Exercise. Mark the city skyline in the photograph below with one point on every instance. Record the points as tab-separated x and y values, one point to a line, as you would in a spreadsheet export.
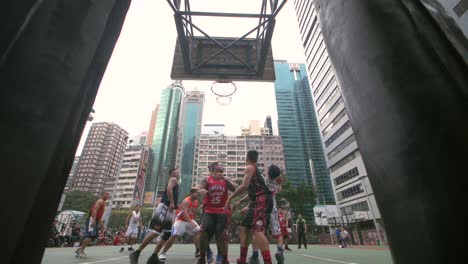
141	63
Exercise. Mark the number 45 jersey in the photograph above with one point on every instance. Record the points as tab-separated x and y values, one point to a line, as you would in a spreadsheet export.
217	195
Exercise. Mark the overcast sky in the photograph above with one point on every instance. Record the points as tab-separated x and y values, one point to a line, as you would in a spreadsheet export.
141	64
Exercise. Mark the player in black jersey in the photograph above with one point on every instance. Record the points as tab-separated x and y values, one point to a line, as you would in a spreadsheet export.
161	223
260	206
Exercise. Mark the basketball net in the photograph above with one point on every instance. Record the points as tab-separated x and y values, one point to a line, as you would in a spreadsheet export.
223	90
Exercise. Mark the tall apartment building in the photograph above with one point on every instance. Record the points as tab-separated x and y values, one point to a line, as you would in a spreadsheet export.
139	139
129	187
165	139
152	126
255	129
303	151
71	175
270	150
268	124
189	131
100	159
352	189
232	150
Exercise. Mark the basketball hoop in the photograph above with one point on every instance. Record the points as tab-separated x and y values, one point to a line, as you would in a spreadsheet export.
223	90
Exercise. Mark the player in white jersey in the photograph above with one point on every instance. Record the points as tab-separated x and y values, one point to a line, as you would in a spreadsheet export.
132	224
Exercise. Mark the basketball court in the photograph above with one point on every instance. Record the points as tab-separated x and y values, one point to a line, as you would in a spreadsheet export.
184	254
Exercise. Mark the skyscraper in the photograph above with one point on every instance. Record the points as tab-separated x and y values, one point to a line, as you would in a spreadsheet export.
190	129
268	124
303	152
131	180
152	126
71	175
164	141
254	129
100	159
352	189
232	150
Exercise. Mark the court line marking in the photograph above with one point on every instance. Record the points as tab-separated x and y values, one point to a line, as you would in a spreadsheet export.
104	260
332	260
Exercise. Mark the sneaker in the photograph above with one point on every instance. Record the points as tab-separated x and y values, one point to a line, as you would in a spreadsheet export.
279	258
288	249
209	256
130	249
219	259
122	249
253	261
162	257
201	261
81	254
197	254
134	257
153	259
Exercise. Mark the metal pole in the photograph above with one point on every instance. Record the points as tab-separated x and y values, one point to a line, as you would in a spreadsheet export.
371	208
329	227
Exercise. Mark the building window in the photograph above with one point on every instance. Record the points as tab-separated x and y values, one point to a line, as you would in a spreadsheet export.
341	146
347	176
362	206
461	8
356	189
338	133
334	122
345	161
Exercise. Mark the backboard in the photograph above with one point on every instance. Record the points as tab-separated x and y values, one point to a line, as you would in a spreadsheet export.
238	63
199	56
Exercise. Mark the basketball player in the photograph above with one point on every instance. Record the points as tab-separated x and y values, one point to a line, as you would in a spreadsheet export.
133	222
185	222
161	222
260	207
214	188
93	224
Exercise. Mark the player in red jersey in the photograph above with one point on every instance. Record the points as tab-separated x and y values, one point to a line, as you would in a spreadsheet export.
283	220
214	188
260	207
184	222
93	223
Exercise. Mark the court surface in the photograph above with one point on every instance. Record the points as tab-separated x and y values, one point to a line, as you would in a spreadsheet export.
184	254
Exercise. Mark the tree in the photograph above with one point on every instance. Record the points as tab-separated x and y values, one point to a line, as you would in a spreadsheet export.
298	197
79	201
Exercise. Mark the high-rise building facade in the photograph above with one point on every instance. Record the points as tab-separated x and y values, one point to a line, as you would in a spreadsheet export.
190	125
268	124
232	150
164	141
303	151
139	139
71	175
129	188
255	129
100	159
348	174
152	126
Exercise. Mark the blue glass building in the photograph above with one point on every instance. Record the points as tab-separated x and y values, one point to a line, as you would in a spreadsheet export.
298	128
190	127
164	141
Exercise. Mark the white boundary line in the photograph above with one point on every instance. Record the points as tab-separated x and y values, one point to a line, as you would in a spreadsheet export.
104	260
333	260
